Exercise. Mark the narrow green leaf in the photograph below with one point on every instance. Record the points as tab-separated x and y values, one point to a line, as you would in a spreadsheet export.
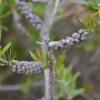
10	54
96	13
90	24
76	76
84	22
60	60
33	56
1	64
76	92
46	60
5	49
4	56
11	60
5	15
39	55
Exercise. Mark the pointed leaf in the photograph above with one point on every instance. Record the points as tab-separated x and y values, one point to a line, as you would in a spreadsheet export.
39	55
5	49
60	60
33	56
5	15
90	15
1	64
46	60
83	22
11	60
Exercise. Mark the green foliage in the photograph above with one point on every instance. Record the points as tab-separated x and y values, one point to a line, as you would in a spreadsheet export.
39	55
91	21
3	15
33	56
90	45
60	60
1	64
69	91
93	4
40	58
2	52
39	9
46	60
10	58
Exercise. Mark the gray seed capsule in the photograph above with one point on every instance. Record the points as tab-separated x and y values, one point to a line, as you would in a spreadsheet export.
83	38
81	31
74	35
84	34
77	41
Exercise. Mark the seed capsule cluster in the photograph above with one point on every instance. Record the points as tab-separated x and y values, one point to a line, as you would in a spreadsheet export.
76	38
27	12
26	67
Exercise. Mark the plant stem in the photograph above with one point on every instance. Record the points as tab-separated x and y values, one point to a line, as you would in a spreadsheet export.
51	72
45	35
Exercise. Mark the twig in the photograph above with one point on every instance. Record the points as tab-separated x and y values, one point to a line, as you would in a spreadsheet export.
3	61
17	86
62	2
76	38
36	1
57	2
51	68
26	67
45	35
18	24
27	12
63	82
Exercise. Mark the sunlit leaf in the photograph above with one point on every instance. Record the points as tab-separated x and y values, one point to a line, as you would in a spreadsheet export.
83	22
92	5
33	56
46	60
5	15
1	64
39	55
5	49
60	60
11	60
